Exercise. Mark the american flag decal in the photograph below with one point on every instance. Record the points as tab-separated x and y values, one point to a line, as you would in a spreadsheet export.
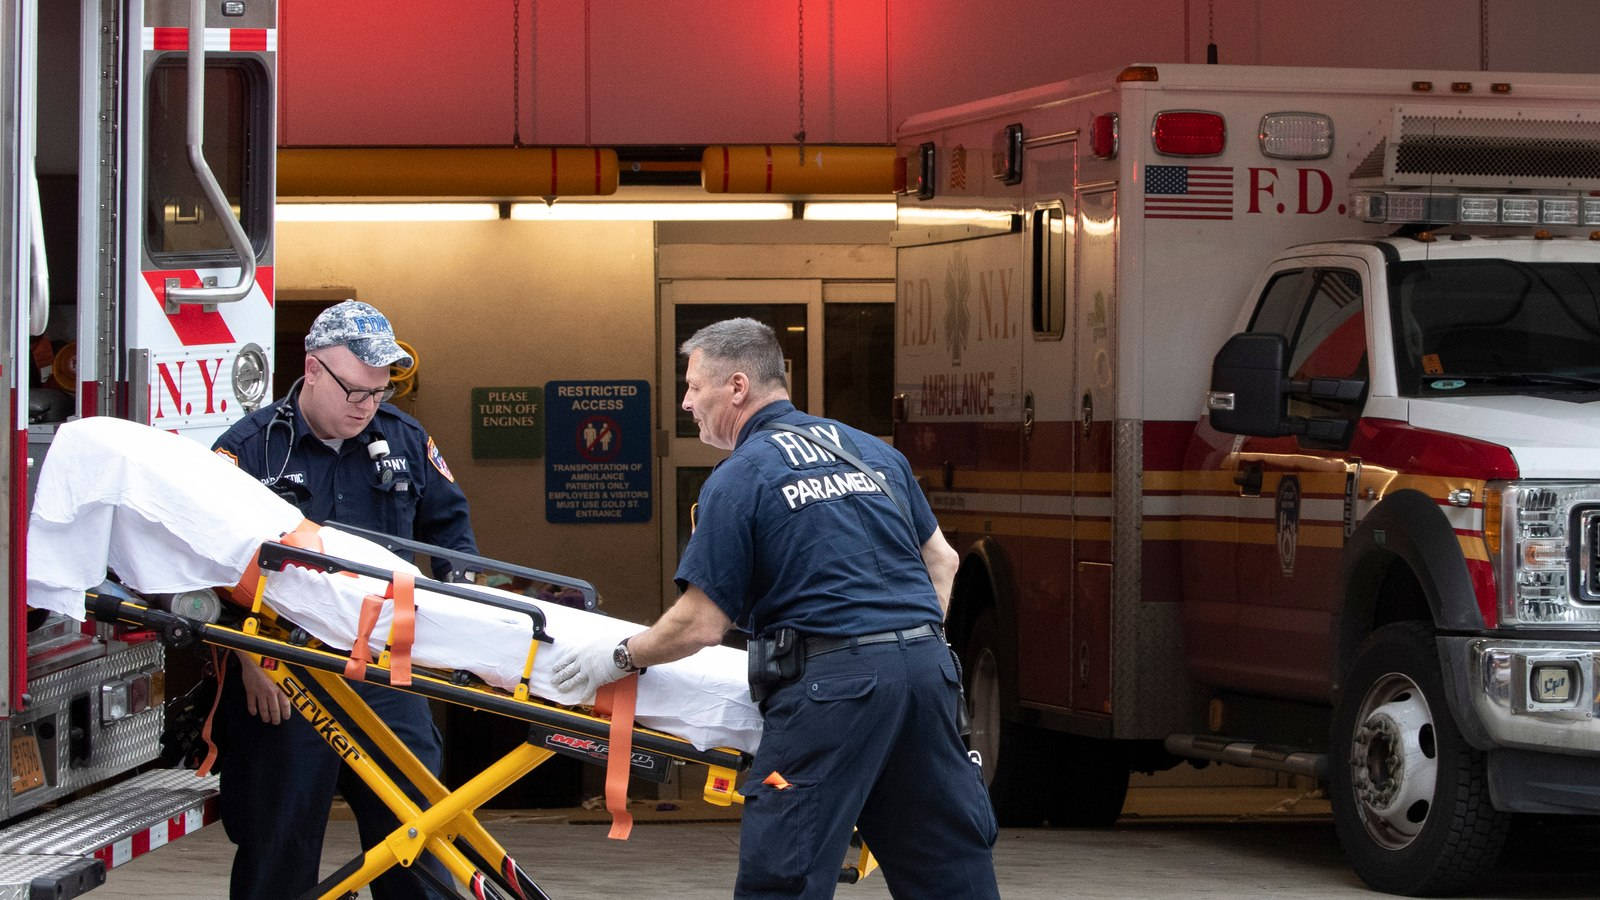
1188	192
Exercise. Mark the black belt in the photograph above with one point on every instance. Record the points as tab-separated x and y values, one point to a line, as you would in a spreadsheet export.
816	646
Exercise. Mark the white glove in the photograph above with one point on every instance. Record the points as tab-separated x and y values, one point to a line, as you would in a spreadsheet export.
585	668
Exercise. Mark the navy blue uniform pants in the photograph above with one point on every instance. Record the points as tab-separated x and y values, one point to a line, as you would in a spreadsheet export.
867	737
277	788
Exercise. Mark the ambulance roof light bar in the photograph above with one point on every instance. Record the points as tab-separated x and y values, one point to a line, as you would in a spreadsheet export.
1452	208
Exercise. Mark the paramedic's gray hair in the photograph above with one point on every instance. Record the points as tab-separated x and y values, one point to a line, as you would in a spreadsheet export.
739	345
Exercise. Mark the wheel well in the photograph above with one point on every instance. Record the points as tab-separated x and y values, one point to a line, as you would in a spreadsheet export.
1390	592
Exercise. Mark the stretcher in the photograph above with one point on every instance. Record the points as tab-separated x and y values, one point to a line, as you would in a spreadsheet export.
448	827
82	521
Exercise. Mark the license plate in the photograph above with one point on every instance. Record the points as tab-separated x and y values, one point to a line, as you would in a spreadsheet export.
27	770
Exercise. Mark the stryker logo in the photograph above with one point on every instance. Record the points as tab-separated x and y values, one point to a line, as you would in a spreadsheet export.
322	721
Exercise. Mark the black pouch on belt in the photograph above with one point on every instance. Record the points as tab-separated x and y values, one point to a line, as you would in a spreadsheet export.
963	714
775	660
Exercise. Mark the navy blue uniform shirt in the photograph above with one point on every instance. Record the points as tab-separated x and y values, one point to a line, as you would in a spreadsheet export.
410	493
788	535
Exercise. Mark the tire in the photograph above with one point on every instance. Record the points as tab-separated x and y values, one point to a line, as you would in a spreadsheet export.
1034	775
1012	753
1410	796
1091	779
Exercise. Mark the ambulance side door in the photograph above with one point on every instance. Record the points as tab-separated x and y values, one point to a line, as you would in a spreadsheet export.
1292	491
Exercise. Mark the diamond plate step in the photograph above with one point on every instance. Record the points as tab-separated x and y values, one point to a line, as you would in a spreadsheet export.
64	852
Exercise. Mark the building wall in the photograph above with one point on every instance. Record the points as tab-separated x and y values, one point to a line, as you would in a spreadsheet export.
664	72
507	303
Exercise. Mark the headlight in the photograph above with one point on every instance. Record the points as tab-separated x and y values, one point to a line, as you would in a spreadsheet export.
1548	560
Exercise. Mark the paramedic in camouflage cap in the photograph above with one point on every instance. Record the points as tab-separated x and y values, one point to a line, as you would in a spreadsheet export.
340	453
360	327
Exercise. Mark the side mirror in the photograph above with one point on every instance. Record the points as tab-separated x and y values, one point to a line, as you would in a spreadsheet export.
1248	386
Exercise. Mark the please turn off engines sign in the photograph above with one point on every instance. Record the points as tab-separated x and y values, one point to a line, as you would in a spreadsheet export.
597	466
507	422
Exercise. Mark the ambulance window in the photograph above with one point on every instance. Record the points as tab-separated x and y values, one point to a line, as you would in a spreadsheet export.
1281	303
1051	271
180	224
1332	341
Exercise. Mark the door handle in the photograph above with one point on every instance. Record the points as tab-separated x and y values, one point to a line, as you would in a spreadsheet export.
1248	478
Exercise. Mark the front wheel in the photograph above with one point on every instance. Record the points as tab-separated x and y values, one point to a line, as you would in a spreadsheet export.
1410	797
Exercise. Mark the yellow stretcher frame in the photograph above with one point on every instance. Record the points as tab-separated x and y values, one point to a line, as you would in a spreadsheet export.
448	828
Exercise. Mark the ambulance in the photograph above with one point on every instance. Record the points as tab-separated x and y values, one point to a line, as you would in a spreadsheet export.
1263	406
135	281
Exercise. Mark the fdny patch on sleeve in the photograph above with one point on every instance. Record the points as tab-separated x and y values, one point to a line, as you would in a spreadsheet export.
437	458
228	456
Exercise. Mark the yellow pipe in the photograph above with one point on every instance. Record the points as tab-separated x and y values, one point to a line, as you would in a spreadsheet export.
446	171
797	169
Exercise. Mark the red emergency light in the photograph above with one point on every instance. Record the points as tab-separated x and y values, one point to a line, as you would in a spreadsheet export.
1189	133
1103	136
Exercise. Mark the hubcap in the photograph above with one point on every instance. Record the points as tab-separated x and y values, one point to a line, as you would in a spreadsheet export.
985	700
1394	761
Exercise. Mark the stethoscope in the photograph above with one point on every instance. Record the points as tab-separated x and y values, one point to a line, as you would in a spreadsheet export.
283	414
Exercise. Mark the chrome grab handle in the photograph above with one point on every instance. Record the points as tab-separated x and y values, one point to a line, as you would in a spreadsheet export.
208	182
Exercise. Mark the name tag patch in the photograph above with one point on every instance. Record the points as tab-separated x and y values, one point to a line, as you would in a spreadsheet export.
801	491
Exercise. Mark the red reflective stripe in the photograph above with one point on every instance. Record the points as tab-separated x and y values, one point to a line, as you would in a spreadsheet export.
725	168
264	281
19	558
769	168
247	39
193	325
554	155
172	39
597	170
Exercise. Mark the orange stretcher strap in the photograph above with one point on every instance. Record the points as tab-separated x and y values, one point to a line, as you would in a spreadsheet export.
303	535
355	668
619	699
404	627
402	631
220	668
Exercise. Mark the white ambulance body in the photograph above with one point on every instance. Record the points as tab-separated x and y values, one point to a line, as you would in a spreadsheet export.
1375	515
136	283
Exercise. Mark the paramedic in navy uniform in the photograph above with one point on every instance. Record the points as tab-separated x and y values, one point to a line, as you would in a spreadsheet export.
335	450
788	536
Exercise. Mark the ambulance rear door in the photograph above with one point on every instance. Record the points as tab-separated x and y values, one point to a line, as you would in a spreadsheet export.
197	323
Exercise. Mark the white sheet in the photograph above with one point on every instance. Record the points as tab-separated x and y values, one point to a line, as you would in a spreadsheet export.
167	515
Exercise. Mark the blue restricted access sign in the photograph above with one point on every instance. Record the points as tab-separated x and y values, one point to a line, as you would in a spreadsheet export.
597	451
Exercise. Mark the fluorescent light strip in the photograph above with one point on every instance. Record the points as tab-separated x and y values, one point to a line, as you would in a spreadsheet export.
563	211
387	212
648	212
850	212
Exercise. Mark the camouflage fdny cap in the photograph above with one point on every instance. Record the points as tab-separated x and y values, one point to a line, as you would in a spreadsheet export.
360	327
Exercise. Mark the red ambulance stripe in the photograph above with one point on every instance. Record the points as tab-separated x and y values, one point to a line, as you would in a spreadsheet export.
193	325
172	38
264	281
247	39
725	168
769	168
19	559
89	398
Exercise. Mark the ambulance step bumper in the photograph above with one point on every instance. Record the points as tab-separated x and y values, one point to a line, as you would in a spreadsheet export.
66	851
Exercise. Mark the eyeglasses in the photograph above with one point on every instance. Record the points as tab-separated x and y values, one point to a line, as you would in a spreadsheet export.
358	397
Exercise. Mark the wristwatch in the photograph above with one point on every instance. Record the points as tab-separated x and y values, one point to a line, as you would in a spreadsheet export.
623	658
